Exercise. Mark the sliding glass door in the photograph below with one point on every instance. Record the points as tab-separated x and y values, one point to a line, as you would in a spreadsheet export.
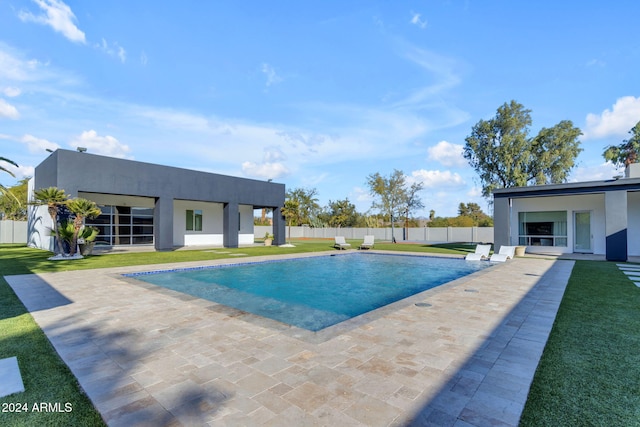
582	237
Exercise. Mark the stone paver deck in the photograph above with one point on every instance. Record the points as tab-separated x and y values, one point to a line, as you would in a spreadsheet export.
146	355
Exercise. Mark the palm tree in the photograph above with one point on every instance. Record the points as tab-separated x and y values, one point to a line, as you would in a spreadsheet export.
52	197
3	189
291	211
11	162
81	208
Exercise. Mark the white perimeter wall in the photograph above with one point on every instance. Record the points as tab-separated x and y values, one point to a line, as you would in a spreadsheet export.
588	202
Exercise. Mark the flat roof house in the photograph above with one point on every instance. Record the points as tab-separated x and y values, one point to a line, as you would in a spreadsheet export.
598	217
149	204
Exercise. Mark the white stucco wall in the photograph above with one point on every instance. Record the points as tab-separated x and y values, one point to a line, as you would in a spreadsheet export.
587	202
212	224
245	235
633	223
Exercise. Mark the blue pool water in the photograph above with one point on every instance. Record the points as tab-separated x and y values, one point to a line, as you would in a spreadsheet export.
317	292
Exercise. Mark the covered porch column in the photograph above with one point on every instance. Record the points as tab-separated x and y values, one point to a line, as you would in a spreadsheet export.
230	225
501	222
163	223
279	233
615	212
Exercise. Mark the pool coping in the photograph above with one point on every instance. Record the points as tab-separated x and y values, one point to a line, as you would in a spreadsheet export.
144	357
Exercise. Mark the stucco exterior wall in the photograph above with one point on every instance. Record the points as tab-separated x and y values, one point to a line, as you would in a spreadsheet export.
212	226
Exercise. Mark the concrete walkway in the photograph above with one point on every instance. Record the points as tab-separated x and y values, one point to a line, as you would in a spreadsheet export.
150	356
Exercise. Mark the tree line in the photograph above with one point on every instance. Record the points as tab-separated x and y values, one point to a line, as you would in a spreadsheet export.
395	202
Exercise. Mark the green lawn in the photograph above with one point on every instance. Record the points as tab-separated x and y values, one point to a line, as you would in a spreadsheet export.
588	373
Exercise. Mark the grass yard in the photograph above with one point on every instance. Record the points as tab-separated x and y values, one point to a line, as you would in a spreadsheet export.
590	370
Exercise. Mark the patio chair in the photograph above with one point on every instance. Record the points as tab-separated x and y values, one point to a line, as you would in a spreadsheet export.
368	242
482	251
341	243
505	253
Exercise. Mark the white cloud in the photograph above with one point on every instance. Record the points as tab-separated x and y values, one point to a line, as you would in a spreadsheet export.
599	172
442	69
38	145
15	68
615	122
19	172
417	20
58	16
270	72
436	179
105	145
475	192
596	63
447	153
272	166
113	50
265	170
11	92
8	111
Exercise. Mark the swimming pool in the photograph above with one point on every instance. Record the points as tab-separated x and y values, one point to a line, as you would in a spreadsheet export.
315	292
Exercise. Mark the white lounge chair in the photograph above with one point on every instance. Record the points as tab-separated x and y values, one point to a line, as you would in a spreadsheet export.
368	242
505	253
341	243
482	251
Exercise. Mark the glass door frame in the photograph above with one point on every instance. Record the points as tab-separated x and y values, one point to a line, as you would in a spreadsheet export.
575	232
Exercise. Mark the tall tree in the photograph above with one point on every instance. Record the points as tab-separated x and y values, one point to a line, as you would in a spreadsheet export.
392	197
627	152
52	197
291	212
342	213
504	155
474	211
412	202
307	204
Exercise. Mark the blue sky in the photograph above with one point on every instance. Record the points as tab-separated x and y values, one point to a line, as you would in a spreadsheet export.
312	94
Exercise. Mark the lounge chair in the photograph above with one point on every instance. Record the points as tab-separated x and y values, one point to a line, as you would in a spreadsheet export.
341	243
505	253
368	242
482	251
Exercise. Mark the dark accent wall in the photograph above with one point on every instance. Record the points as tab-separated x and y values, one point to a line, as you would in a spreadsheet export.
76	172
617	246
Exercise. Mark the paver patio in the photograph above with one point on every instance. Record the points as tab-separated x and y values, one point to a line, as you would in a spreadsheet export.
147	355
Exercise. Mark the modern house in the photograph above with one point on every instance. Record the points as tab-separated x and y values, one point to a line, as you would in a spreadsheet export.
149	204
598	217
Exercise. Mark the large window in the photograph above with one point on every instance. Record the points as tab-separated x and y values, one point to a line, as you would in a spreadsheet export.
542	228
194	220
124	225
